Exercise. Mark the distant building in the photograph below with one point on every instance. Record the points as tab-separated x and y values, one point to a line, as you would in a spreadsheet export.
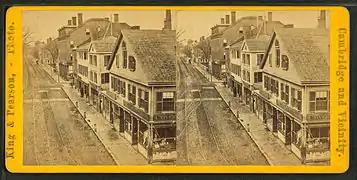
294	100
74	34
228	33
246	57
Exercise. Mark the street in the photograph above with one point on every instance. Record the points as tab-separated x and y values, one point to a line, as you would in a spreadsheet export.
208	132
53	130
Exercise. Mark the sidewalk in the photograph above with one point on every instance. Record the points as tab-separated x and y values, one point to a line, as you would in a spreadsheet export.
202	70
119	148
273	149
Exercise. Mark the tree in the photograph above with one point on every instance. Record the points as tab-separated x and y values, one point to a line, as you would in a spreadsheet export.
27	37
188	51
52	49
205	47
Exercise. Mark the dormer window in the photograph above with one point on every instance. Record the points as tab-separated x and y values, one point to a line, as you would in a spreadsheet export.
285	62
71	44
87	32
125	55
277	53
132	63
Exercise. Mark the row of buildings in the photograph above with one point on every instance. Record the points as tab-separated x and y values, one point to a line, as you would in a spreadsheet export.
128	74
282	74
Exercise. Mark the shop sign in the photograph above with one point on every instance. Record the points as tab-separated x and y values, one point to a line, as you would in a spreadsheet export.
165	117
136	110
290	110
318	116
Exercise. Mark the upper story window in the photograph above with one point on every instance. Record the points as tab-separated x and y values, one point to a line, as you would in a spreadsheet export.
143	99
132	63
125	55
296	98
238	54
132	93
285	62
105	78
259	59
106	60
240	30
85	54
117	64
234	55
270	60
247	60
284	92
90	59
94	61
87	32
258	77
277	53
319	101
165	101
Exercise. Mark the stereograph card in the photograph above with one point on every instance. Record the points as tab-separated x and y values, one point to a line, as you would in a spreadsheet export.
171	89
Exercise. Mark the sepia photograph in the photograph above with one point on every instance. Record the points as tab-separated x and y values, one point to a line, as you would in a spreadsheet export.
254	88
99	88
176	87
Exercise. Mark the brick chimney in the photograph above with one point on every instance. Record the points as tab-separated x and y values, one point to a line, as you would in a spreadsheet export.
227	19
80	19
74	21
270	16
116	18
167	22
69	22
321	21
222	20
233	17
94	34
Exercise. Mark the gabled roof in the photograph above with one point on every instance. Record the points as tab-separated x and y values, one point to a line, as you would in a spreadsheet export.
259	44
308	51
104	45
155	52
83	46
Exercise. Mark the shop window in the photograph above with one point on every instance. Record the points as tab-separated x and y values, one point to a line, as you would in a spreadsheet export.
132	93
277	53
105	78
165	101
296	134
132	63
281	123
143	134
143	99
127	123
319	101
106	60
318	138
285	62
164	138
125	55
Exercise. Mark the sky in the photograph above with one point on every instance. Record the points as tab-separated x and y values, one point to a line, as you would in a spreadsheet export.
195	24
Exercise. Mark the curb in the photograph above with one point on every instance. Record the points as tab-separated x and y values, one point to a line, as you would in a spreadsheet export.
81	113
244	126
